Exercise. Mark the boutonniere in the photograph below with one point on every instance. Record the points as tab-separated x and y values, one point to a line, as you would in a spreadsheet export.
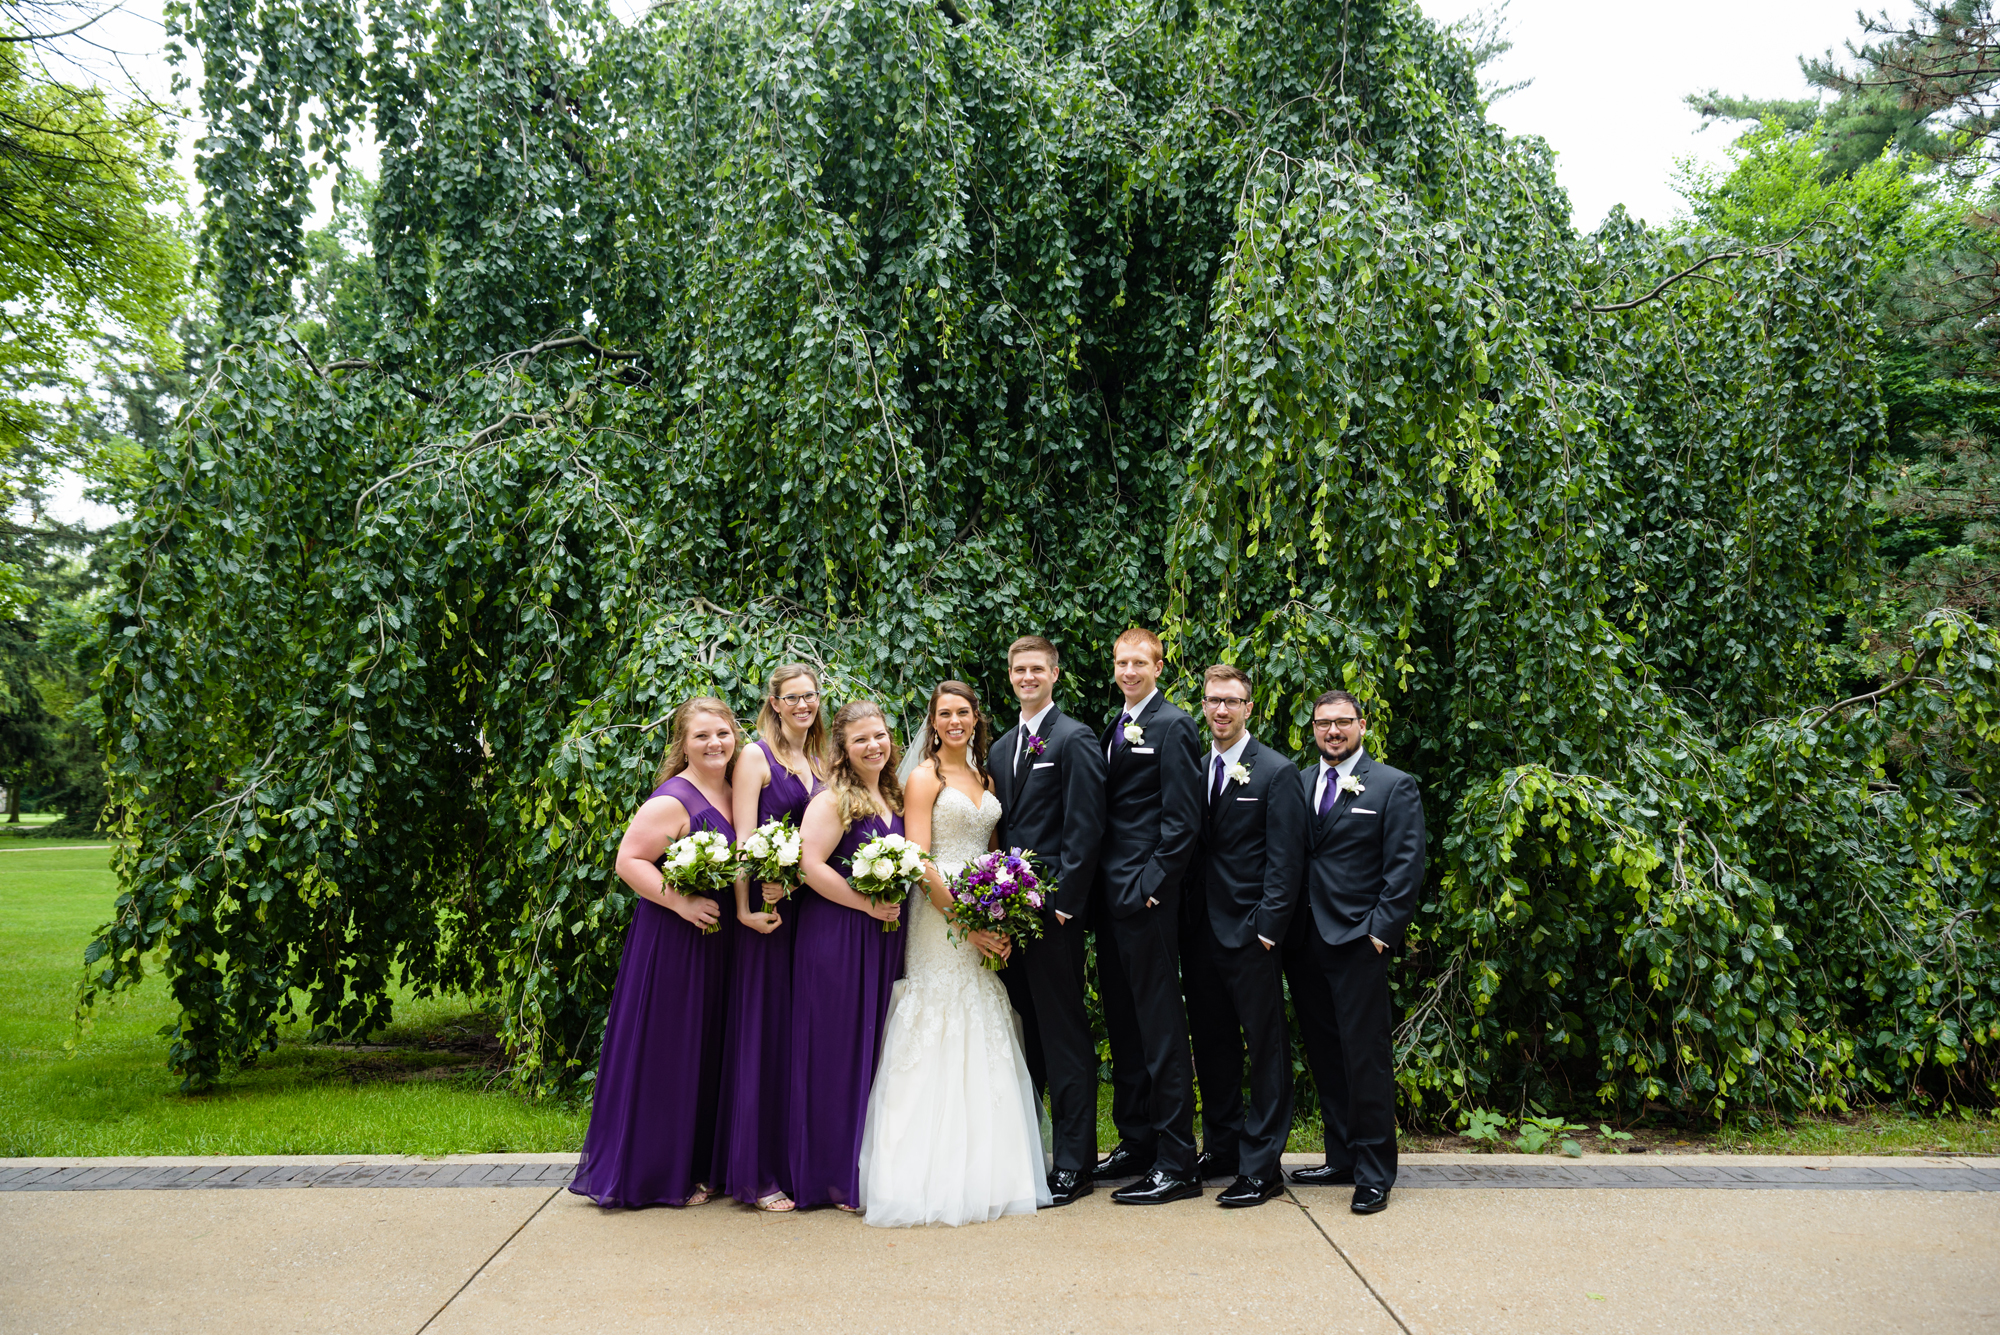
1350	784
1035	744
1239	773
1134	734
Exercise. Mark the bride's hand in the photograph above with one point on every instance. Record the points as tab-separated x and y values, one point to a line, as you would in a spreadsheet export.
763	923
992	944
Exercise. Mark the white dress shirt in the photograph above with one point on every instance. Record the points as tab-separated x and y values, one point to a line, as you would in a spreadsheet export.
1029	725
1338	772
1131	715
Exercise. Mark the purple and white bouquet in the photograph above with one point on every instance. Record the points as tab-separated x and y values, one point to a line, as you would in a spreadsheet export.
998	892
701	863
772	854
885	870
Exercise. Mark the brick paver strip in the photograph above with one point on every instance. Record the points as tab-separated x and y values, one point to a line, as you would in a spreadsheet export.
1415	1173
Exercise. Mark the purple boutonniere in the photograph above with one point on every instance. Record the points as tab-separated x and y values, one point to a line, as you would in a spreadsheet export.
1035	744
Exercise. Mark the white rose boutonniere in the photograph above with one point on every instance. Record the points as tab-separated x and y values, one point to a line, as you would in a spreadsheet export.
1350	784
1134	735
1239	773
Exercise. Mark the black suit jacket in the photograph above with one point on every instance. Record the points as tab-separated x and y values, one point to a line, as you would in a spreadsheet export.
1055	807
1152	807
1253	851
1365	858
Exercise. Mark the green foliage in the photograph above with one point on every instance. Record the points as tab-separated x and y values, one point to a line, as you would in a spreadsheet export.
876	333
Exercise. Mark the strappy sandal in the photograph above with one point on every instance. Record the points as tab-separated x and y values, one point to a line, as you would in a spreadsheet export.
702	1195
848	1209
777	1203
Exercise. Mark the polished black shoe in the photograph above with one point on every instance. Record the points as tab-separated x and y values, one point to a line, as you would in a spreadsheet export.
1123	1162
1325	1175
1246	1191
1157	1188
1370	1200
1208	1167
1066	1185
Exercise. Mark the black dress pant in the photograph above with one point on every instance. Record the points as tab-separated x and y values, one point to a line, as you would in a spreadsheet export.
1217	1036
1257	996
1148	951
1312	1003
1131	1087
1049	975
1346	994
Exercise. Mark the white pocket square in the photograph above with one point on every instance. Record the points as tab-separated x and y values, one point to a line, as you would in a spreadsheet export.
1246	799
1142	750
1043	764
1365	811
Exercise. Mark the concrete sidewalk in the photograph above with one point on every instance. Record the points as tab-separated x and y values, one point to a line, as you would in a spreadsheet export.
1473	1258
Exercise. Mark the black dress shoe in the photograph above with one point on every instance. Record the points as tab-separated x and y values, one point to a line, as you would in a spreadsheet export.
1157	1188
1370	1200
1326	1175
1123	1162
1209	1166
1246	1191
1066	1185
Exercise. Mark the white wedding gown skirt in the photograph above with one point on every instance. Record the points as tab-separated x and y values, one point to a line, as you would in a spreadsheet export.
952	1134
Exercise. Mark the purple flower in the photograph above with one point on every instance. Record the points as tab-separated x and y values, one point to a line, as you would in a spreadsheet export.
1035	744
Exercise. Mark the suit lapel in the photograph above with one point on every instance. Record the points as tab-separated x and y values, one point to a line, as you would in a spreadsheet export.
1345	801
1119	756
1028	762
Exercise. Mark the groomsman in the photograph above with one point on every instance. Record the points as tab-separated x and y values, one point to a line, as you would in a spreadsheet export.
1152	805
1364	868
1250	866
1049	776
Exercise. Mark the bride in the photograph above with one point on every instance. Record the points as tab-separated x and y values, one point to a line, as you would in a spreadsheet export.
952	1134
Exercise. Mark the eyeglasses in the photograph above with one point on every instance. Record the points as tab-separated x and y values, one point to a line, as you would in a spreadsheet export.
1224	701
812	698
1322	724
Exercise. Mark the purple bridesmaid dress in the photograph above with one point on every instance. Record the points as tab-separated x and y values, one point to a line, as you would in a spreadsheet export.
843	967
757	1066
653	1112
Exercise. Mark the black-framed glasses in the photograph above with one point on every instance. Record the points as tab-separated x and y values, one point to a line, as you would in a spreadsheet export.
1322	724
1224	701
811	698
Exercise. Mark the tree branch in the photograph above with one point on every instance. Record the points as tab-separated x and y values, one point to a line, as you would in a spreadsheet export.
1757	252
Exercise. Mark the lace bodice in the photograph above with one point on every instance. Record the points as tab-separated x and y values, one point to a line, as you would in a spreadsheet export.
961	831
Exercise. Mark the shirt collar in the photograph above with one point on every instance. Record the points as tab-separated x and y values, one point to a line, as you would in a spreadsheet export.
1345	767
1233	754
1030	726
1140	708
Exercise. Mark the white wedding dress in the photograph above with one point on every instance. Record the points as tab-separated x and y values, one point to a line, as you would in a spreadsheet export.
952	1134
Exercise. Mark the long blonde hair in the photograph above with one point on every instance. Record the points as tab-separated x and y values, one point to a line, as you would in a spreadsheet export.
677	749
845	781
772	728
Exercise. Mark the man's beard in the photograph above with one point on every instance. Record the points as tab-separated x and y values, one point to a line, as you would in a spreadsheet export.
1333	759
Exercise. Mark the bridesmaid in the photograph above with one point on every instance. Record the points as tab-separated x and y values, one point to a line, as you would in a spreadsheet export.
774	778
652	1118
844	964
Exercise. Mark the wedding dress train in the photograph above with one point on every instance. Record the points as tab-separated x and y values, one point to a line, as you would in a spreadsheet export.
952	1134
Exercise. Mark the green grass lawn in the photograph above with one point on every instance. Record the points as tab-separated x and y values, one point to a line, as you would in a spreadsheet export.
418	1089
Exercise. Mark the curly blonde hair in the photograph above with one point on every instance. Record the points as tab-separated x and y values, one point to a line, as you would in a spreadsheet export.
845	782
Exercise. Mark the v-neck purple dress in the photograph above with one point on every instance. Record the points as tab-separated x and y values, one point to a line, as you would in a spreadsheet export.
757	1065
843	967
653	1110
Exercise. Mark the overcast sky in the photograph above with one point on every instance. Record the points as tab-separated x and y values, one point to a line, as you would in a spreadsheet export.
1609	79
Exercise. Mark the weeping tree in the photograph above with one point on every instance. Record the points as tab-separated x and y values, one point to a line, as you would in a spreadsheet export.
876	332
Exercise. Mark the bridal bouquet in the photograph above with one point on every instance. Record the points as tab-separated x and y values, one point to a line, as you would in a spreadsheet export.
771	854
886	868
998	892
701	863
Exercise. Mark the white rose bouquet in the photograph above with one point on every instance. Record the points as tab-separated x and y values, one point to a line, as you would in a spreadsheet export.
886	869
701	863
772	854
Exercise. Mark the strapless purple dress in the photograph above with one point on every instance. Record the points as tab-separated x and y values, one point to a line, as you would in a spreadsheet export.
756	1066
653	1109
843	967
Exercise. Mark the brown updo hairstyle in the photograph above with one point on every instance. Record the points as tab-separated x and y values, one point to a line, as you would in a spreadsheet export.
849	791
977	745
677	751
772	728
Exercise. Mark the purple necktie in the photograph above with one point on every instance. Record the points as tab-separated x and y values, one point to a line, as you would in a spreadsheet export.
1327	798
1118	734
1216	791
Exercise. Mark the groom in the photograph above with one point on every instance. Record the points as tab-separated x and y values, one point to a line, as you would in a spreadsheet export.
1049	776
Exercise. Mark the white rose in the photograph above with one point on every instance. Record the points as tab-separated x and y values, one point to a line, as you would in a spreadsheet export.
1134	734
882	869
